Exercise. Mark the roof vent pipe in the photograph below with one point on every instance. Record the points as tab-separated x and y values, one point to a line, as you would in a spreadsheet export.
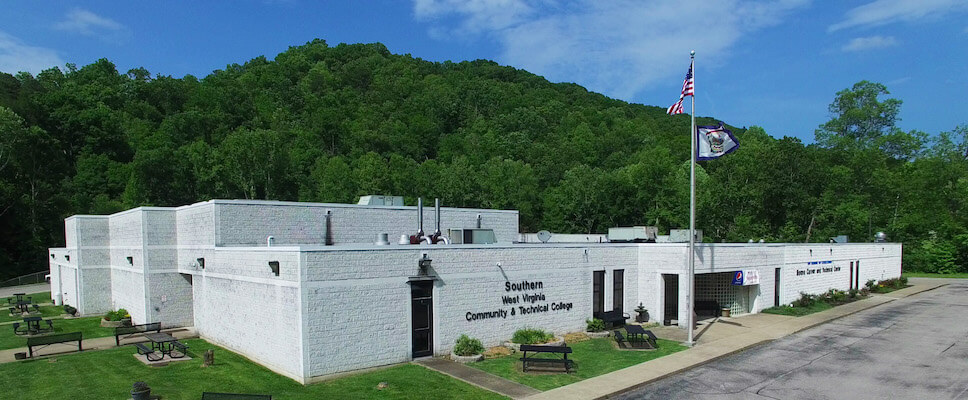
382	239
478	221
437	217
420	231
269	240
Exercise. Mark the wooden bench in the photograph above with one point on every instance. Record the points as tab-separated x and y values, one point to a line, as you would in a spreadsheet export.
134	330
612	318
562	350
150	354
54	339
234	396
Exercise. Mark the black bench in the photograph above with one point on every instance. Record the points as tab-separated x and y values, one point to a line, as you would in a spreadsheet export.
150	354
707	308
619	338
134	330
18	331
563	350
178	349
612	318
234	396
53	339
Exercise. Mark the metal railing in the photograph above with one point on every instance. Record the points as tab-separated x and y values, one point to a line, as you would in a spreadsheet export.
36	277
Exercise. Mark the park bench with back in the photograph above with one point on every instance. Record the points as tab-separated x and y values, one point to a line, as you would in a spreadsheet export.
134	330
54	339
563	351
612	318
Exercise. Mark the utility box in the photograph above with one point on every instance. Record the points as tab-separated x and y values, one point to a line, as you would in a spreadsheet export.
633	234
471	236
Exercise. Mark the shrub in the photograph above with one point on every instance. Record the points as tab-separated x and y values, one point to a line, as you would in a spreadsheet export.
116	315
805	300
531	336
468	346
903	281
837	296
122	313
870	284
852	293
595	325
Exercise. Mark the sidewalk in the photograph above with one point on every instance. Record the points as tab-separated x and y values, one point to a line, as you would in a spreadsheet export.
479	378
722	338
100	343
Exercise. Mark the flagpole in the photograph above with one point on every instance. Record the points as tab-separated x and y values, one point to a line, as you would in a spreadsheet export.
692	209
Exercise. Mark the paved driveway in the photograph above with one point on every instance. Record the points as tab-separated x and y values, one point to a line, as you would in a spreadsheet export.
913	348
39	287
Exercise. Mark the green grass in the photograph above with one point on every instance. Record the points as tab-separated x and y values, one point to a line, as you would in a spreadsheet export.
108	374
592	358
931	275
799	311
90	328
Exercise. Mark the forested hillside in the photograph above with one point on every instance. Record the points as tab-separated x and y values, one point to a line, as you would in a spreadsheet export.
328	124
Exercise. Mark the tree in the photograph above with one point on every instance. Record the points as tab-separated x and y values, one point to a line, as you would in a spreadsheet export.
858	117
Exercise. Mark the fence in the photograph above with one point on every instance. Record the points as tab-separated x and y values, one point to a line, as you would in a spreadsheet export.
36	277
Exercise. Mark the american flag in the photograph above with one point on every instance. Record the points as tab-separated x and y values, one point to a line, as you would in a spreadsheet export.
688	89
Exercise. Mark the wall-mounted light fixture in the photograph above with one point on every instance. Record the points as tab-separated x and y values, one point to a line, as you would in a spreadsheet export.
424	264
274	266
52	256
67	257
130	260
201	262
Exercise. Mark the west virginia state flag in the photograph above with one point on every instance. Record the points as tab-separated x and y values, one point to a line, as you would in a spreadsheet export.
714	142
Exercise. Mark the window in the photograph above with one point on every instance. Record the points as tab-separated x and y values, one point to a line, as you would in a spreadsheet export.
618	290
598	292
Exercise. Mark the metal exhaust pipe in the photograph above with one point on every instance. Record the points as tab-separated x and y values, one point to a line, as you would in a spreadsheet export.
437	217
420	231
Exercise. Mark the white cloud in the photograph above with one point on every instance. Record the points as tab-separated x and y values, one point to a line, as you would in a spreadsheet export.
869	43
882	12
617	47
87	23
15	56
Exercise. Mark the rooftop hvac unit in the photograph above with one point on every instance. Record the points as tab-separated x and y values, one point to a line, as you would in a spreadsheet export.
471	236
682	235
637	234
377	200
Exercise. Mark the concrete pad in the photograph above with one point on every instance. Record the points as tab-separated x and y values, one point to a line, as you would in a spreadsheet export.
478	378
160	363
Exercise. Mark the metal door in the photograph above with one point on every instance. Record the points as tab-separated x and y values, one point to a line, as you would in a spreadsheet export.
422	317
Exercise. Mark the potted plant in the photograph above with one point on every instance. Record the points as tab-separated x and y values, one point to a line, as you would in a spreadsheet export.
140	391
467	350
595	328
643	314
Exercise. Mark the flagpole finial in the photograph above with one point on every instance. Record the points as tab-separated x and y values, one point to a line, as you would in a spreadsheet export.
692	53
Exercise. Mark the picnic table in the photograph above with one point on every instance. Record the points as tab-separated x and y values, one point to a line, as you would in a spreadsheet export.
20	296
22	306
165	344
638	334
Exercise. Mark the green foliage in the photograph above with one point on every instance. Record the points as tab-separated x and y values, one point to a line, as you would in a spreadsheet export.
595	325
116	315
467	346
321	123
531	336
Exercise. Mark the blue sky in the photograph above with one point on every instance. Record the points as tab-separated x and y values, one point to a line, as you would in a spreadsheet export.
776	64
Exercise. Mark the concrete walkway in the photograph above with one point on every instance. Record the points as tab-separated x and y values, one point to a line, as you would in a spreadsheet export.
29	289
100	343
479	378
720	339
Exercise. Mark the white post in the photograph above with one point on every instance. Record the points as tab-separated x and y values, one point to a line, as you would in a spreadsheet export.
692	208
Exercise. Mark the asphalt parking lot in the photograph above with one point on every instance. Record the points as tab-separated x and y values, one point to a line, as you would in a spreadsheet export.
912	348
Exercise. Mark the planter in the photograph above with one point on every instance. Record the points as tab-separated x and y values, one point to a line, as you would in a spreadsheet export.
19	356
143	395
642	317
109	324
517	347
726	312
466	359
126	321
599	335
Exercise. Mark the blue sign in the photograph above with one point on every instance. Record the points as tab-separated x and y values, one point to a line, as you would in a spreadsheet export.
738	278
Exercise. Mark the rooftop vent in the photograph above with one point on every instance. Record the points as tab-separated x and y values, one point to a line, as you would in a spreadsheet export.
636	234
380	200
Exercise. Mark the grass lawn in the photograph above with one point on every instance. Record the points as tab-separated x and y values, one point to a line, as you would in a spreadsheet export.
592	358
90	328
108	374
930	275
799	311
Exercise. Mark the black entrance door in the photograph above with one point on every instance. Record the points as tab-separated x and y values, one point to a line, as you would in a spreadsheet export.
776	287
422	312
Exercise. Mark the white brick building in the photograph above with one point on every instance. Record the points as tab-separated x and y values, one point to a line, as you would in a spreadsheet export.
323	299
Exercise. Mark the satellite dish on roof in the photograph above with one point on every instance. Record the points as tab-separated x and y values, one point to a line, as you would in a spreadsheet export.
544	236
